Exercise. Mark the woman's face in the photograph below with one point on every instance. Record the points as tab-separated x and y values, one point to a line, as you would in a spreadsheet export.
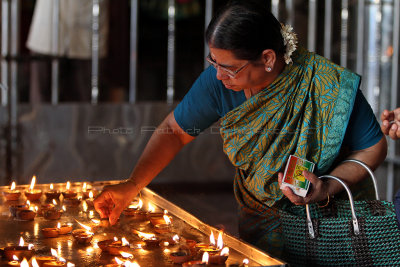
250	75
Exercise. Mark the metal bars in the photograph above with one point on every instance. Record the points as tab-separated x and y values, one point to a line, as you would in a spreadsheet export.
133	51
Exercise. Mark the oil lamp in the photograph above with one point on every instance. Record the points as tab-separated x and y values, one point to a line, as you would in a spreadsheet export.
198	263
69	193
14	208
117	246
53	214
14	262
52	194
150	239
64	229
42	259
58	262
45	207
165	227
21	251
50	232
83	236
26	214
89	200
12	194
33	194
134	210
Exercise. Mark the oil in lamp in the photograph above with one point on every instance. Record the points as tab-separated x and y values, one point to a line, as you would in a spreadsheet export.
69	193
21	251
165	227
12	194
33	194
52	194
134	210
198	263
83	236
14	262
150	239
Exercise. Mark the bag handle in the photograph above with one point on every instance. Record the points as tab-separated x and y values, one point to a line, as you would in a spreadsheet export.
371	174
353	212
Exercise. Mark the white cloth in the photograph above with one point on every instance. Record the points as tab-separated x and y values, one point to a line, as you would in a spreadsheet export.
75	28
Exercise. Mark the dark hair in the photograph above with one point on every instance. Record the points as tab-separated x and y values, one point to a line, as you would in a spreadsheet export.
246	28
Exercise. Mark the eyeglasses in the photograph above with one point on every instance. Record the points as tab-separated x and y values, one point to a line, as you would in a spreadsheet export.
230	73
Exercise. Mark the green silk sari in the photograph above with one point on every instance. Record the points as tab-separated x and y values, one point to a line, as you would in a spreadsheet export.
305	113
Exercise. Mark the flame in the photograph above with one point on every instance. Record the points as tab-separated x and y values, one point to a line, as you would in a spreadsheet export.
167	219
54	202
144	235
28	203
32	183
118	261
61	259
15	258
51	186
13	186
58	225
126	255
30	246
63	208
205	257
124	241
91	194
166	244
224	251
54	252
24	263
175	238
212	239
21	242
220	242
137	205
36	209
151	208
84	206
115	239
70	264
34	262
68	185
135	264
88	228
84	187
96	221
165	212
246	261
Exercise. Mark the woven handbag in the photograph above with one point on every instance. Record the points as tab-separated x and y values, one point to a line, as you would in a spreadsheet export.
345	233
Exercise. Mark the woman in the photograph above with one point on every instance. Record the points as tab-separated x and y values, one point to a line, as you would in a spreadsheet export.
272	102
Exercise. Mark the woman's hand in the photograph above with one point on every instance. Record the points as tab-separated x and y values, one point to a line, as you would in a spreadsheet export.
113	200
391	123
317	192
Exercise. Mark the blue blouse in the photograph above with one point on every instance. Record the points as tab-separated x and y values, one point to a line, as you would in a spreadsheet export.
208	100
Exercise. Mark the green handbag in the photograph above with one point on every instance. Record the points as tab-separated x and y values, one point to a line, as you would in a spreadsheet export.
345	233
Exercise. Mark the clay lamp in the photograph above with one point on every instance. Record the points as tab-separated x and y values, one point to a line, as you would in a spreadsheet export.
21	251
50	232
57	262
42	259
14	262
14	208
26	214
121	263
83	236
53	214
220	258
165	227
64	229
117	246
134	210
12	194
86	191
150	240
33	194
198	263
45	207
72	201
90	199
180	256
52	194
69	193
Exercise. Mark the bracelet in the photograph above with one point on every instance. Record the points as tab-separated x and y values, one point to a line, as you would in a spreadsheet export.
327	202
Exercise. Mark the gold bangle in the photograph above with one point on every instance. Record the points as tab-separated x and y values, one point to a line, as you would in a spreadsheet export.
326	204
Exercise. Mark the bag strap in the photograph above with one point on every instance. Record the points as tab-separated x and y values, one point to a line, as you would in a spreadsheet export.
371	174
353	212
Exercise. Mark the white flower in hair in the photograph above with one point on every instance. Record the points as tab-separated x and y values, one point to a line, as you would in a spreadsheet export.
290	41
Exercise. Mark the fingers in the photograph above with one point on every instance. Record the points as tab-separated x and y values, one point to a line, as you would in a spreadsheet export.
115	213
287	191
104	204
394	131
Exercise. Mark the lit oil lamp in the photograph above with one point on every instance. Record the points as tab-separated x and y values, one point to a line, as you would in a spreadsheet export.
33	194
28	214
85	236
134	210
14	262
59	262
157	217
53	214
165	227
122	263
52	194
117	246
42	259
21	251
69	193
89	200
86	190
50	232
150	239
12	194
64	229
44	207
198	263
